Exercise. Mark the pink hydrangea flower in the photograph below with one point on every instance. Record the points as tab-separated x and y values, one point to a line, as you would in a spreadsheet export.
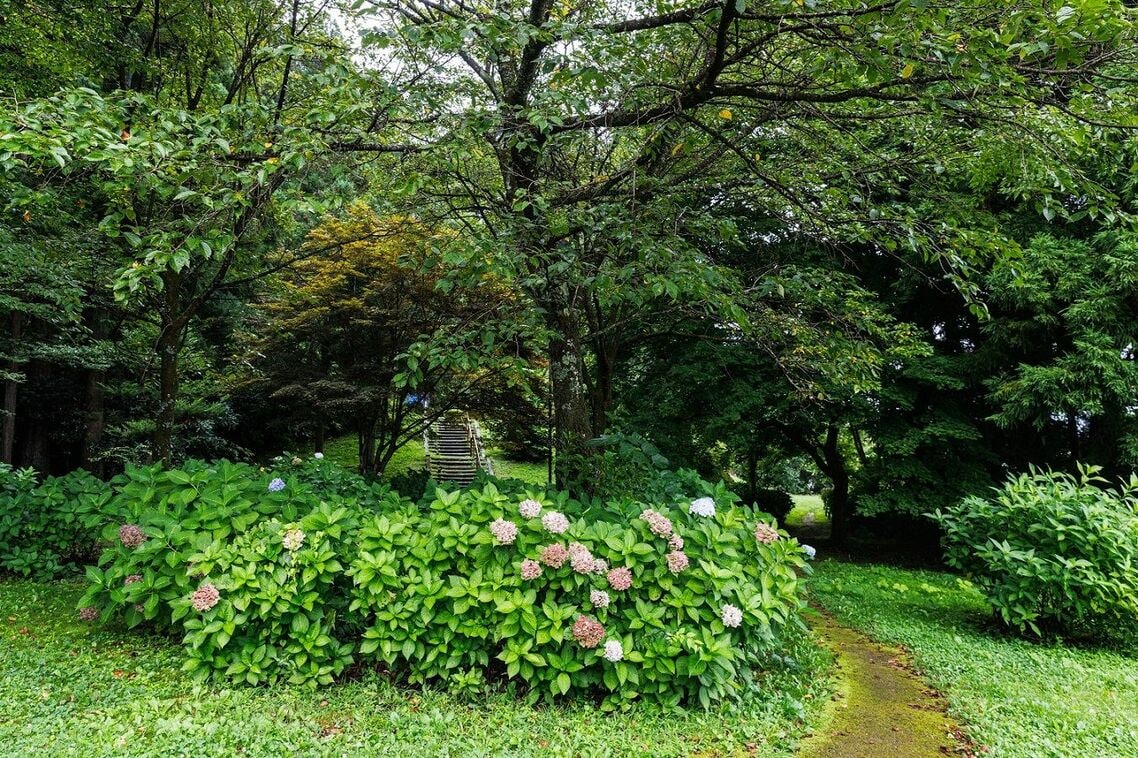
588	632
599	599
554	555
765	534
132	579
658	523
131	535
530	569
731	615
581	559
600	565
555	522
620	579
676	542
205	597
529	508
505	532
90	613
677	561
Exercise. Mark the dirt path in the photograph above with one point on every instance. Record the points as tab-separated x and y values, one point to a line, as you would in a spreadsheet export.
882	708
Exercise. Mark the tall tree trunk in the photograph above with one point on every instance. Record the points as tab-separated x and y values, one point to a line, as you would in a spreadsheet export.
365	438
572	413
840	481
172	325
752	474
35	443
602	396
95	421
168	349
8	436
318	443
94	412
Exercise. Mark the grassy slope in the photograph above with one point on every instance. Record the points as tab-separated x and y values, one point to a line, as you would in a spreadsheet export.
1019	698
70	689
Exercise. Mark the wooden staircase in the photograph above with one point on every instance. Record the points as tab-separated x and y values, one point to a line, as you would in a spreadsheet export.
455	452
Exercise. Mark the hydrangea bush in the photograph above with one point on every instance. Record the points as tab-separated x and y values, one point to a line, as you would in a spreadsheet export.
268	578
46	528
590	600
1052	552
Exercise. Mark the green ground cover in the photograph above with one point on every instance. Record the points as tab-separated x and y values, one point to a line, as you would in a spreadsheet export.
1019	698
68	688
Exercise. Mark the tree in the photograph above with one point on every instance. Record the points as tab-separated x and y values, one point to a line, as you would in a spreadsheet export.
334	337
196	159
551	131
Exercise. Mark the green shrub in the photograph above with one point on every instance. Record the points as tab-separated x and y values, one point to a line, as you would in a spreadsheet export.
775	502
201	551
45	528
158	519
411	483
1051	551
271	581
284	589
445	597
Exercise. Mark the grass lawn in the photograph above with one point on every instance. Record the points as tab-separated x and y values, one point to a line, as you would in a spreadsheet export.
1018	698
804	505
504	468
68	688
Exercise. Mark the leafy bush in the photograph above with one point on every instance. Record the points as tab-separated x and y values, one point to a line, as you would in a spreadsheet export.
269	580
775	502
45	528
411	483
474	586
1050	550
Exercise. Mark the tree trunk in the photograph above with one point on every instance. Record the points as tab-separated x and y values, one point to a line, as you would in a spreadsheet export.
168	349
602	395
365	437
752	475
8	437
840	481
94	414
95	422
318	443
572	414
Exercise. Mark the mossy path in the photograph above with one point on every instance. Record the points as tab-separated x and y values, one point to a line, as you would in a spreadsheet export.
881	708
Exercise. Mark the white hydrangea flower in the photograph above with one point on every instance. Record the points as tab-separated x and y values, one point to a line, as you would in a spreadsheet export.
731	615
614	651
555	522
703	506
292	540
529	508
318	456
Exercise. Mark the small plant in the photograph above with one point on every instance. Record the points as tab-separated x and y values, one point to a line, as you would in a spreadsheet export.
1051	551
